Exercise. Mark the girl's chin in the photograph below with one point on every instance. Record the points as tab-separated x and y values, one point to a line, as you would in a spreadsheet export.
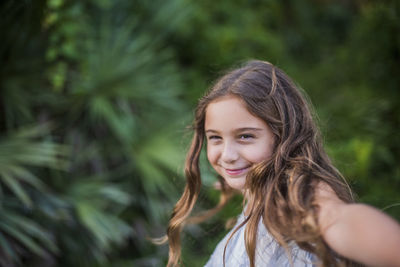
236	183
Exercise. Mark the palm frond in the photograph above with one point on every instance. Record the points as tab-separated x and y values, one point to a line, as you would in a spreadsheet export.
23	149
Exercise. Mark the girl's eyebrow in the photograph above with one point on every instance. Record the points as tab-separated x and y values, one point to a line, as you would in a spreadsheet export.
244	129
248	129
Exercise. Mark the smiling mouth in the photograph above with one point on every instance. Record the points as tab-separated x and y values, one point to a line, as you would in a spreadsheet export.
236	172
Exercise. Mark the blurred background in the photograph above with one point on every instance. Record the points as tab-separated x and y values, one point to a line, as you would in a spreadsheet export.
96	97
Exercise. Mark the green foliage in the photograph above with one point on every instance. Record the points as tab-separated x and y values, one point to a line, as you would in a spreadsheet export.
19	151
75	192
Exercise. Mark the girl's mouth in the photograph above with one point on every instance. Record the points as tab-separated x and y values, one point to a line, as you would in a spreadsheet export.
236	172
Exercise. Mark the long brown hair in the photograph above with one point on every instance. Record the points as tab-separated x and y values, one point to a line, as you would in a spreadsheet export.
281	190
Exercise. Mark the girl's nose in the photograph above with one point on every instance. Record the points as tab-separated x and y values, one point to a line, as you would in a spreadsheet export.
229	153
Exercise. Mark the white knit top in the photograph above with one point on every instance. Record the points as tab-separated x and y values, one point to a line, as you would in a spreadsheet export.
268	252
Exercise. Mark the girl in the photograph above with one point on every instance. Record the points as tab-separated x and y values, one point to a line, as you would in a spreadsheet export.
261	139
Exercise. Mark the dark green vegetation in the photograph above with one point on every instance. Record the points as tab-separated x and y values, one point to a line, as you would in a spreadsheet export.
96	95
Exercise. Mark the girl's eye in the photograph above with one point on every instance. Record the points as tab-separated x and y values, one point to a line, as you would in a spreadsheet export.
245	136
214	137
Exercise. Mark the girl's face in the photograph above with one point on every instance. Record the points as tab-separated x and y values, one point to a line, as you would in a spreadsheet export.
236	139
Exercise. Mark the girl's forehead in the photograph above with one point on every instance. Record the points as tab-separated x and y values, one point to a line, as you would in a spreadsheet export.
232	99
230	112
225	104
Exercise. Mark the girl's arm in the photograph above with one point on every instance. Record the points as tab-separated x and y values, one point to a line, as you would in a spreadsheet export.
357	231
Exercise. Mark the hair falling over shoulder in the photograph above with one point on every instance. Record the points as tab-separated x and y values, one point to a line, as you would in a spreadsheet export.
281	190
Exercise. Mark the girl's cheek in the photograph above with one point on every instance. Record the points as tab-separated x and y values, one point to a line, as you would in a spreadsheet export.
211	154
257	155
